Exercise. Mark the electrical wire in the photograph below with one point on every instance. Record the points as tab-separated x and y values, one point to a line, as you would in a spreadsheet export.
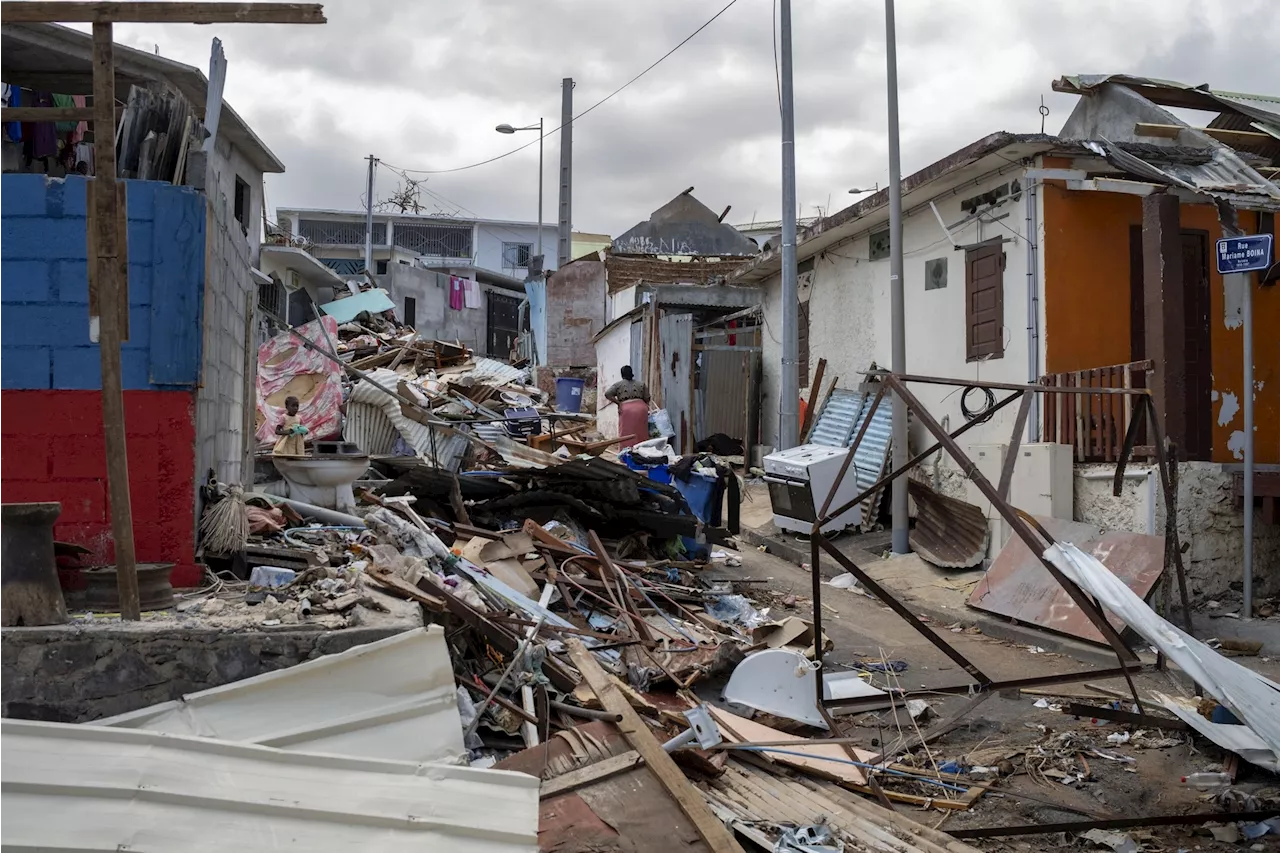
598	103
980	415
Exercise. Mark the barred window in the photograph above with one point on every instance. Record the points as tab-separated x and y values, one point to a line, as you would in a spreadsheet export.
326	232
515	256
446	241
344	266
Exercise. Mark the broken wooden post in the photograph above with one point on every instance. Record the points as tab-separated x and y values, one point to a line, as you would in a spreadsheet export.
31	592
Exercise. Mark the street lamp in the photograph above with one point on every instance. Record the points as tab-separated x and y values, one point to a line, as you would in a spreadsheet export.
506	128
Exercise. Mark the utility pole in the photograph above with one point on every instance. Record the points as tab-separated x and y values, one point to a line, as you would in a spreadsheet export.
368	218
566	173
789	397
897	299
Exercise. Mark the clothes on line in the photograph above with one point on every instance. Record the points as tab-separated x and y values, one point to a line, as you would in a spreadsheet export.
464	293
472	293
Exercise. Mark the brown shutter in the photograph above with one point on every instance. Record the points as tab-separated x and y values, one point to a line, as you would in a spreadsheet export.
802	344
984	301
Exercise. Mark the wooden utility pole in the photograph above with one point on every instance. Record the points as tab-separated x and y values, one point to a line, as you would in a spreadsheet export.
108	257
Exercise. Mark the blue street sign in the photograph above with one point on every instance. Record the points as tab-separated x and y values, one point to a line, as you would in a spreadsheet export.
1244	254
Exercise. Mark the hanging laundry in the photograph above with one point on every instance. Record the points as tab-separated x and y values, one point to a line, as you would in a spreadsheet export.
13	98
40	138
64	127
83	127
457	294
472	293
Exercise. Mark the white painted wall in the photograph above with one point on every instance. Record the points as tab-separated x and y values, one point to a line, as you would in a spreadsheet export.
613	351
490	236
620	303
850	313
226	164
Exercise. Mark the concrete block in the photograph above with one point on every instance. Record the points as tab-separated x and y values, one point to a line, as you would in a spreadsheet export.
25	281
68	196
71	282
42	325
25	367
26	457
141	235
139	284
42	238
80	368
141	199
23	195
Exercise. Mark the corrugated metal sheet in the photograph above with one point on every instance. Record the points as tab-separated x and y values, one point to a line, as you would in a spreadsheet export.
724	392
443	448
675	332
949	533
837	425
393	699
492	372
760	805
369	428
1019	586
78	787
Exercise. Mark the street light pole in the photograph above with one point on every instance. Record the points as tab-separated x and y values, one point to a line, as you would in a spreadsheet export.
506	128
897	296
789	397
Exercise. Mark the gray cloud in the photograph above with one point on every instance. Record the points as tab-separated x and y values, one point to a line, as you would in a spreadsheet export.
422	84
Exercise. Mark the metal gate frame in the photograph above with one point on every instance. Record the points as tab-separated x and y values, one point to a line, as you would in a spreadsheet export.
1022	524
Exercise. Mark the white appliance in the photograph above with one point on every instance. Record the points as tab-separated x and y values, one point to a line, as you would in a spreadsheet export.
799	480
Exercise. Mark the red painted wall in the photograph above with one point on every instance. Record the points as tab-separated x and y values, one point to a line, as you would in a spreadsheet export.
52	446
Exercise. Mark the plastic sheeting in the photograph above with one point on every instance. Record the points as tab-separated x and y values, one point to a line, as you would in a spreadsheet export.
288	368
81	787
393	698
1250	696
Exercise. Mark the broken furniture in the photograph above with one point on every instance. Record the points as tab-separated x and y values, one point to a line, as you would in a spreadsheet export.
32	595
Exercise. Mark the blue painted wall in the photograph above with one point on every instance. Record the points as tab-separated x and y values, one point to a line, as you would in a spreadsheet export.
44	285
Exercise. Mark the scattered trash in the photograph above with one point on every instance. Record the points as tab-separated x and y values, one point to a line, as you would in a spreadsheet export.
843	581
1118	841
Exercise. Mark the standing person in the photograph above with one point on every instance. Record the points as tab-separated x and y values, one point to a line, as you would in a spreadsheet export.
632	399
292	432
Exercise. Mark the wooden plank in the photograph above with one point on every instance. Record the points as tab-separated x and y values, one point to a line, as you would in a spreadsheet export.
637	733
45	12
815	758
105	201
400	587
811	407
590	774
8	114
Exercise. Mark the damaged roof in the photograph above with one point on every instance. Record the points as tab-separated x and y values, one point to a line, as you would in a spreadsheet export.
1264	109
684	226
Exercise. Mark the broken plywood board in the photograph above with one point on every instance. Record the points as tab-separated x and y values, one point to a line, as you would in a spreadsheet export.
1019	586
501	561
821	759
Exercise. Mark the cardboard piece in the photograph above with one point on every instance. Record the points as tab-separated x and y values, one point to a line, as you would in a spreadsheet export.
499	560
792	631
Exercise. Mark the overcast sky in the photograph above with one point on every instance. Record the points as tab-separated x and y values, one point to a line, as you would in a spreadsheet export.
422	84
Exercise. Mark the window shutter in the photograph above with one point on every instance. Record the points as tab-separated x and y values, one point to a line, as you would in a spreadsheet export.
984	301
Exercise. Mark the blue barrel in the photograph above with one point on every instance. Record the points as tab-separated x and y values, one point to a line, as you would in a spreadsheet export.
569	394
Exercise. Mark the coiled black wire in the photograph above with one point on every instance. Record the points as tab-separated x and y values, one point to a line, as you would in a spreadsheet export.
981	414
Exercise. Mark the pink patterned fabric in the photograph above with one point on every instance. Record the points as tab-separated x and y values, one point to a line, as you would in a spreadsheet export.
288	368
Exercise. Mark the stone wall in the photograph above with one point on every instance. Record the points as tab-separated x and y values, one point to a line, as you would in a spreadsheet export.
73	674
1209	523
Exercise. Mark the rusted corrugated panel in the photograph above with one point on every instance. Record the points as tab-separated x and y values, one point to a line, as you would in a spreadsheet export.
949	533
723	393
1019	586
675	333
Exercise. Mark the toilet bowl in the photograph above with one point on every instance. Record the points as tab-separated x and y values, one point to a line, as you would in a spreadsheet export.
323	481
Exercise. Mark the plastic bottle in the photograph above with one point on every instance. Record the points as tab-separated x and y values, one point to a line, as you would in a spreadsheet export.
1207	781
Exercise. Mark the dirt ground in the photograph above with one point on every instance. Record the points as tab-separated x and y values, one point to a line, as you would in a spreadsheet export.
1057	777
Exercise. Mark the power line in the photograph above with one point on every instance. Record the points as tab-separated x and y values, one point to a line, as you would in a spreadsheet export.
659	61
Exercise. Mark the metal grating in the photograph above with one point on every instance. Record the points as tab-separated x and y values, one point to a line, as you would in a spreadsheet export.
328	232
839	421
446	241
344	266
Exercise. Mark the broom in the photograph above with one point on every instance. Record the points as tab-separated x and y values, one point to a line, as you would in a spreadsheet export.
225	525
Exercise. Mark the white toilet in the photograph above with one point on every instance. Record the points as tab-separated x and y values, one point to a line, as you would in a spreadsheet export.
322	480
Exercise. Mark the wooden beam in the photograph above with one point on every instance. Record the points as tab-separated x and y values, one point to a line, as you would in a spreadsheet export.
8	114
1222	134
45	12
636	731
590	774
107	255
1163	131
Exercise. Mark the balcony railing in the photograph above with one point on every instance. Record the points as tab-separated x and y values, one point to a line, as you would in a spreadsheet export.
1094	424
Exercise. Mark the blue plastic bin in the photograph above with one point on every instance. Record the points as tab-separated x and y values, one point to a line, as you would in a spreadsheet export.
658	472
701	493
569	394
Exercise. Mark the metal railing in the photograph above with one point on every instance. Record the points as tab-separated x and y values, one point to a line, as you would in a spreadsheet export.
1094	424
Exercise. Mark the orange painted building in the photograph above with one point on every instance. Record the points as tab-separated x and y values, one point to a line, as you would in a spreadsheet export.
1090	269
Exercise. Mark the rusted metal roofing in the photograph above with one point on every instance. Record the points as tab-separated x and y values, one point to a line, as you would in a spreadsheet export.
949	533
1226	176
1019	586
684	226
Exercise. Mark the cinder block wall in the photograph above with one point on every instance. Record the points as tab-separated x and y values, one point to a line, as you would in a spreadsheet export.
50	375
